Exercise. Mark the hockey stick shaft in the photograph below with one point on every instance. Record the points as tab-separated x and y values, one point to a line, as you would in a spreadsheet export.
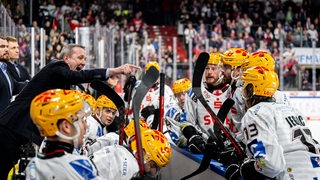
161	101
146	83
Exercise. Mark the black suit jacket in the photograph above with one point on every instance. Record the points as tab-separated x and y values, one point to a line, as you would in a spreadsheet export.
24	74
5	94
56	74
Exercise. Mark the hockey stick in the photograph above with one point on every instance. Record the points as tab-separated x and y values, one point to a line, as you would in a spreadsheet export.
106	90
200	66
146	83
161	101
127	89
207	155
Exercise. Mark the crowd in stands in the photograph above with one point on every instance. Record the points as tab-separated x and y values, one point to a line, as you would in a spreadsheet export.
250	24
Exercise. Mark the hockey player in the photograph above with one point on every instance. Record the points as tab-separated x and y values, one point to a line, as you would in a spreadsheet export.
150	104
176	115
258	58
104	115
232	60
213	89
60	116
279	142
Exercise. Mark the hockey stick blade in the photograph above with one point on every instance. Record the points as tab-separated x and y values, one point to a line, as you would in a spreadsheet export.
200	66
106	90
146	83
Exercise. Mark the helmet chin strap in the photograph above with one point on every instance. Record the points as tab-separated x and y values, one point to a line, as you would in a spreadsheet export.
221	76
99	117
73	138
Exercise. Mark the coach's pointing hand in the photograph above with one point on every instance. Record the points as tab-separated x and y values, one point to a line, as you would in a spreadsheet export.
126	69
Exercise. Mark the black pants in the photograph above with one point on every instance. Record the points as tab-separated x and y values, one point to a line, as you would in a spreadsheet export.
10	150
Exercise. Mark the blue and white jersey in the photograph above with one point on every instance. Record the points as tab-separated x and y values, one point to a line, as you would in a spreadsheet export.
278	138
67	166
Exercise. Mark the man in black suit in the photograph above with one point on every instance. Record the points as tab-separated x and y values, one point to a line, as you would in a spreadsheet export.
16	127
6	87
17	71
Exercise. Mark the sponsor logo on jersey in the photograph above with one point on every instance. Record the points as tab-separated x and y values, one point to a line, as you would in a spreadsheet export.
315	161
125	167
83	168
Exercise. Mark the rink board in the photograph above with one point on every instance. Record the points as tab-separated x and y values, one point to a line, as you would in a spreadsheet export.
183	163
308	102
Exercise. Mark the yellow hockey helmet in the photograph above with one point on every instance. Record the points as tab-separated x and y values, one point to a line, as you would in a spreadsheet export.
129	129
259	58
265	82
156	146
181	85
235	57
90	100
215	58
49	107
153	63
104	102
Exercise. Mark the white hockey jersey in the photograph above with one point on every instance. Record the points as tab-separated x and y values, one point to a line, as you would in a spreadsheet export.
277	136
65	167
108	139
240	109
95	129
152	99
173	119
197	115
115	162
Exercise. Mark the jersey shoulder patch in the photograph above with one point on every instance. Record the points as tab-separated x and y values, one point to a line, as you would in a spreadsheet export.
192	95
84	168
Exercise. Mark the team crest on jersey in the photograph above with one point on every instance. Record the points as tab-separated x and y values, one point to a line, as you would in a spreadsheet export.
171	113
84	168
315	161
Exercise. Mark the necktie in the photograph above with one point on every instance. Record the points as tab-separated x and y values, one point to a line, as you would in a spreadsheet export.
17	68
3	67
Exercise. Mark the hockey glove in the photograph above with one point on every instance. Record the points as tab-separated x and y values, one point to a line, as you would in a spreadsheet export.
147	111
232	172
248	172
229	156
196	144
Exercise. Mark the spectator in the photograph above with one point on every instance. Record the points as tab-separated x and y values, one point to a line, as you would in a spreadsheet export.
313	35
292	66
279	32
305	75
246	22
189	35
138	23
